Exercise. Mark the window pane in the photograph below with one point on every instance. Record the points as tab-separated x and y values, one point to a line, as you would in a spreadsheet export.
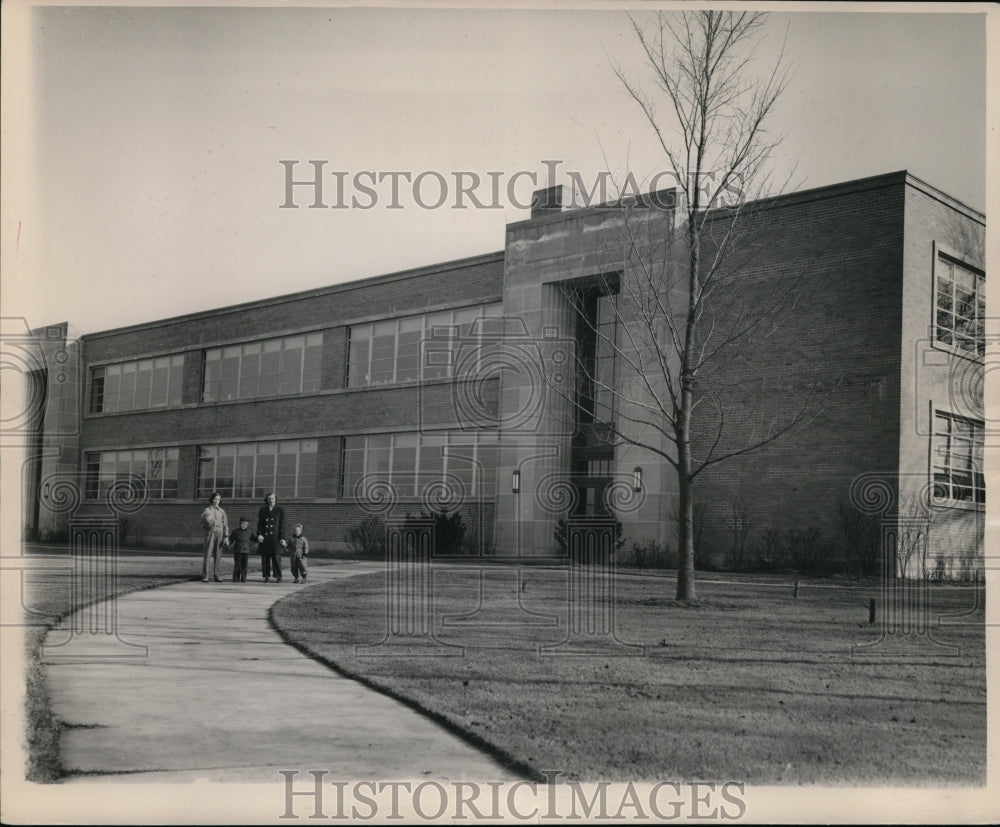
312	362
97	390
291	365
243	478
229	374
354	464
170	472
378	456
143	383
250	371
92	485
270	368
126	393
307	469
210	391
431	460
225	467
264	479
411	333
360	347
160	382
404	464
437	344
383	355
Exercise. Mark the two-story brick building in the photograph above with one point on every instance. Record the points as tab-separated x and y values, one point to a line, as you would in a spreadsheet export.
454	386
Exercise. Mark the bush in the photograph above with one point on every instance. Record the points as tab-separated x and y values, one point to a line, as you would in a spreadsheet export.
562	536
770	552
863	535
741	526
805	552
367	538
449	530
648	554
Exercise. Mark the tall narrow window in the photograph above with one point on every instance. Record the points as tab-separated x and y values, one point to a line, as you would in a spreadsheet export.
958	459
959	307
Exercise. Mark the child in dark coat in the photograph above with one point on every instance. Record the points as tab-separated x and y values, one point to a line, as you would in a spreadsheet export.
240	540
298	551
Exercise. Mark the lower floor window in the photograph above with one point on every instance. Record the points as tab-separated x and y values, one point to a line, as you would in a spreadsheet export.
156	467
254	469
410	463
957	459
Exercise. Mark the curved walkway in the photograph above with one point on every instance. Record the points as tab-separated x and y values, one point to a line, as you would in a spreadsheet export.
217	695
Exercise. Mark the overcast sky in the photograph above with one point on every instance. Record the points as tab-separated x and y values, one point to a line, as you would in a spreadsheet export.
148	158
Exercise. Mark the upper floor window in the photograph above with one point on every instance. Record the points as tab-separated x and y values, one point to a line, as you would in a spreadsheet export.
957	459
264	368
157	467
138	385
413	347
253	469
959	307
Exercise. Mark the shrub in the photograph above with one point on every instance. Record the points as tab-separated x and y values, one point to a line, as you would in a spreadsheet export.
449	530
562	536
740	524
647	553
367	538
805	552
770	552
863	536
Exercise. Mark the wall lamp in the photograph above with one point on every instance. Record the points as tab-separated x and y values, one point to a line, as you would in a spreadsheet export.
637	479
515	482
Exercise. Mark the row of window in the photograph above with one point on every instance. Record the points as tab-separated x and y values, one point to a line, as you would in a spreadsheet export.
249	470
157	467
381	352
135	386
270	368
416	347
464	461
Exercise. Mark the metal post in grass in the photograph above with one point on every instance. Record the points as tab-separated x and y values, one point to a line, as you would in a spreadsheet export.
905	629
591	592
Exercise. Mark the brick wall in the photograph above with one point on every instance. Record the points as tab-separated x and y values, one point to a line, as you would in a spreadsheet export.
830	351
326	415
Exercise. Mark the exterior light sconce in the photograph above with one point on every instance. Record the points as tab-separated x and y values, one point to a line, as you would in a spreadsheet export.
45	490
637	479
515	482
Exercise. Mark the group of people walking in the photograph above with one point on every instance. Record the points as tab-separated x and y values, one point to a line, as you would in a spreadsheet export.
269	537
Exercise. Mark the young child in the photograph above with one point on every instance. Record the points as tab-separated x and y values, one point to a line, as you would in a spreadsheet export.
240	540
298	550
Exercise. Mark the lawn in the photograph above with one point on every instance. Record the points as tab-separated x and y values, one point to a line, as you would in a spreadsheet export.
752	684
48	596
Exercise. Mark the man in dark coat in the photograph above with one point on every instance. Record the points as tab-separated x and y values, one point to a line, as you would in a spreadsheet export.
271	537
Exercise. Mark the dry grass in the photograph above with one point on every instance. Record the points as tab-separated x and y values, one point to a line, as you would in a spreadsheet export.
752	684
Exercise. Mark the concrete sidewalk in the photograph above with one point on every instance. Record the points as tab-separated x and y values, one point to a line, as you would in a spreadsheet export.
217	695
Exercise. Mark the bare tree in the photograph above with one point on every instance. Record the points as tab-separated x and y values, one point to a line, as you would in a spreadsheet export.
680	313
